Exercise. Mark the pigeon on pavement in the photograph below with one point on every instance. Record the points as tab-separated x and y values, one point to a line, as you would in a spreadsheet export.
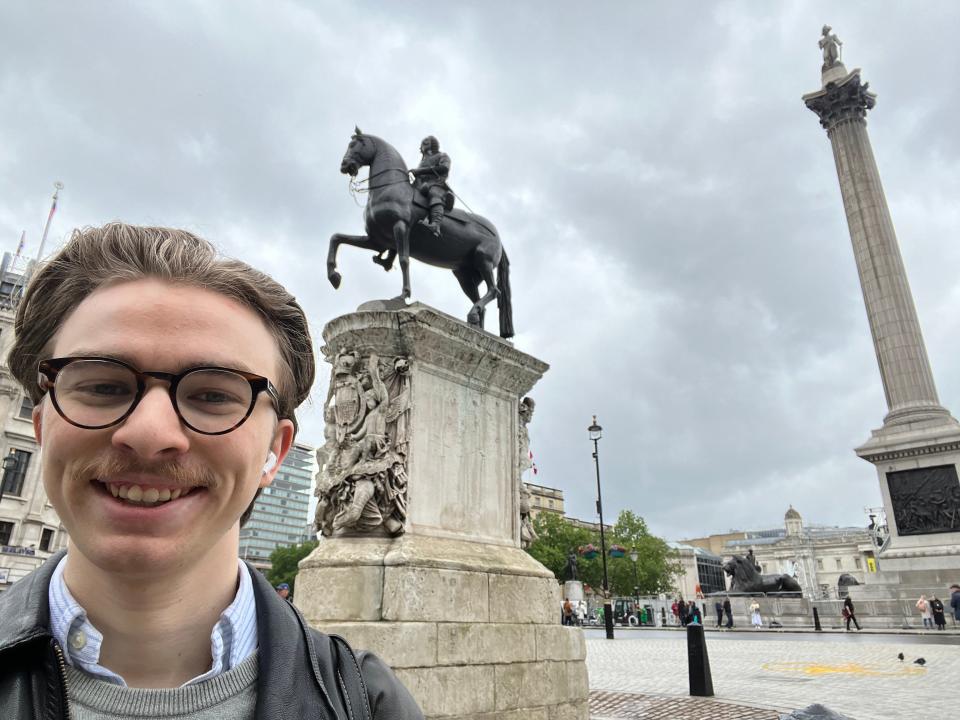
900	657
919	661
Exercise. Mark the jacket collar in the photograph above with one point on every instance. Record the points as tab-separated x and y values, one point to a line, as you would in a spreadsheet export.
284	639
25	607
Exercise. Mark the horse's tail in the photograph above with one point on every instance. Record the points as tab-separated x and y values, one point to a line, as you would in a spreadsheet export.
503	300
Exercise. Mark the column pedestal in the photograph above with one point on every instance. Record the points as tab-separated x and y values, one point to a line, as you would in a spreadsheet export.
468	620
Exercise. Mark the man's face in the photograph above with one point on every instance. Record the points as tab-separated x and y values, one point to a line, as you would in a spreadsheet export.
154	325
426	147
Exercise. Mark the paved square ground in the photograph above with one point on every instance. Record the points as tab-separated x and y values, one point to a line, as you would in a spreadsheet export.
863	680
608	706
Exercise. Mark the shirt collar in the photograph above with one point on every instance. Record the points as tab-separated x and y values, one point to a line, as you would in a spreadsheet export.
232	640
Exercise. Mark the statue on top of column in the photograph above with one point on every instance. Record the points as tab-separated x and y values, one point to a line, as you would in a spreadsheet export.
830	44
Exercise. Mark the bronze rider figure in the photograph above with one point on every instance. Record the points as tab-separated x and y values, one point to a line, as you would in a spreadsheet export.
430	178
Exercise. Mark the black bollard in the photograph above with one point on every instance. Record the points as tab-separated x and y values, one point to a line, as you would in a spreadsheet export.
701	683
816	620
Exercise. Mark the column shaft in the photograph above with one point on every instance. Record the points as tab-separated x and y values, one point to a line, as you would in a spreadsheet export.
901	354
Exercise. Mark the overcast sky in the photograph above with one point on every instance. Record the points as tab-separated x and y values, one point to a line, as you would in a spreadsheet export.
678	245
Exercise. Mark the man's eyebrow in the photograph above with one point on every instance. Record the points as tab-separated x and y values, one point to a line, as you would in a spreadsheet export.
179	367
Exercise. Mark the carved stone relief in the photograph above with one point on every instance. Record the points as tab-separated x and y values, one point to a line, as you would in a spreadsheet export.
925	500
362	484
524	463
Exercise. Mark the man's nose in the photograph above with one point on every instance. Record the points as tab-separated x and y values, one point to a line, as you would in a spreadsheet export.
153	430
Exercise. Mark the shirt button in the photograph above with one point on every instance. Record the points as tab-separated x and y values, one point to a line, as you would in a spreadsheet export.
78	640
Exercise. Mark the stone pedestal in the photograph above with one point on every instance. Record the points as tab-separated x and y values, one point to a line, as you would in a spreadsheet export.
573	590
918	468
469	621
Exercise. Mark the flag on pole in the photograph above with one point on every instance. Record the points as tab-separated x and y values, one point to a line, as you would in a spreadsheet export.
23	242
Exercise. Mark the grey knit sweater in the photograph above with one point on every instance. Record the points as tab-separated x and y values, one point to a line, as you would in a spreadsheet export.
229	696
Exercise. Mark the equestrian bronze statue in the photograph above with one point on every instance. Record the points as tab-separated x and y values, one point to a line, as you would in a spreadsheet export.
466	243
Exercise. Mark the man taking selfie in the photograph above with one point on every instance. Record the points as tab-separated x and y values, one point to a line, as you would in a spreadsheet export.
165	380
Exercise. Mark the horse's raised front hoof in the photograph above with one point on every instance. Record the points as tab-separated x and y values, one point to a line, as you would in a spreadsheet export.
334	279
473	317
385	263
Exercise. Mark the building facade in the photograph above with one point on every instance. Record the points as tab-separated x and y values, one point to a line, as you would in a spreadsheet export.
30	529
280	516
545	499
817	556
701	571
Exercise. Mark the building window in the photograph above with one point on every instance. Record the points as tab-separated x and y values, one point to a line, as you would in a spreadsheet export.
46	537
14	471
839	564
819	564
856	563
6	532
26	409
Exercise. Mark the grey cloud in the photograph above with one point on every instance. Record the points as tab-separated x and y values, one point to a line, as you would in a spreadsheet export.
671	210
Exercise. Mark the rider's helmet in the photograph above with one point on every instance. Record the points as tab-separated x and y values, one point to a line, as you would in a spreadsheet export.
431	142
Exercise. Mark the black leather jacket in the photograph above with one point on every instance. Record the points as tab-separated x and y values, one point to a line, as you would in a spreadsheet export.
298	678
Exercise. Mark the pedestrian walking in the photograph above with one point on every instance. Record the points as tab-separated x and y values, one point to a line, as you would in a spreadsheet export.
923	605
955	602
939	620
849	614
728	611
684	619
755	618
581	612
567	612
693	613
718	606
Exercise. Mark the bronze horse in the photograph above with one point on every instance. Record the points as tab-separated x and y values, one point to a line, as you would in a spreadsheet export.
469	244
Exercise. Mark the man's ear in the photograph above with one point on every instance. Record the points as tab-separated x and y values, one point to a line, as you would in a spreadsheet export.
279	446
37	417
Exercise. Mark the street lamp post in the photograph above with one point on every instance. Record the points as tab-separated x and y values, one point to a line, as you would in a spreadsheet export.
634	556
595	434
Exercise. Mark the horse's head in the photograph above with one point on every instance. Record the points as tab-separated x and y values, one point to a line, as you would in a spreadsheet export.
360	152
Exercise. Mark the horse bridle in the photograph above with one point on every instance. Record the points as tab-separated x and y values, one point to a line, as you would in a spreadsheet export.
358	183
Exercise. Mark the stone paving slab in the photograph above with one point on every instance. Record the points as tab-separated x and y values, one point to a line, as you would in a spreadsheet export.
865	681
609	705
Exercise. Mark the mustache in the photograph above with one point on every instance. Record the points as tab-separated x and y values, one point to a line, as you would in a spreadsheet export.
177	474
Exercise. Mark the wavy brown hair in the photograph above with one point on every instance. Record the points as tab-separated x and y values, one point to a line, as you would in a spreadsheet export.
94	257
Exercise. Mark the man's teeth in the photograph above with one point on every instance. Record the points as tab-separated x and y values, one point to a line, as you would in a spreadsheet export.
146	496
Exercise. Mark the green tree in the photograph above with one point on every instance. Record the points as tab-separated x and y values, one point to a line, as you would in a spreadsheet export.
656	565
653	573
556	538
284	562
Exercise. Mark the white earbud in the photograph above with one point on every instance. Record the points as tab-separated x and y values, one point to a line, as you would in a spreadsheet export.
271	462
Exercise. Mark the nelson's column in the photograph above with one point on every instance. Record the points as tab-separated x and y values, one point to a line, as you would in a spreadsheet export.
917	449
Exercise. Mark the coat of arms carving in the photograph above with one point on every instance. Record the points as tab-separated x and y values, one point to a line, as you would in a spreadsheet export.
362	484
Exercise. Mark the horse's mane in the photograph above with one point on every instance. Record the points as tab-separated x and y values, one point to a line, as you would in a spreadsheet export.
384	146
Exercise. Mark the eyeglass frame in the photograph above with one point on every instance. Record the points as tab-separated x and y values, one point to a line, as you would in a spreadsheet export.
47	371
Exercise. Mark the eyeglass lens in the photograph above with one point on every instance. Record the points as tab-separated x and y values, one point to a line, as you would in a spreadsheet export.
97	393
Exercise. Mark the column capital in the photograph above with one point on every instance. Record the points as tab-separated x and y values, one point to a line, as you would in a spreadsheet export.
847	99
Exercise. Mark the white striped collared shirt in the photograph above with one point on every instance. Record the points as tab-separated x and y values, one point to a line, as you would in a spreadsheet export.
233	639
